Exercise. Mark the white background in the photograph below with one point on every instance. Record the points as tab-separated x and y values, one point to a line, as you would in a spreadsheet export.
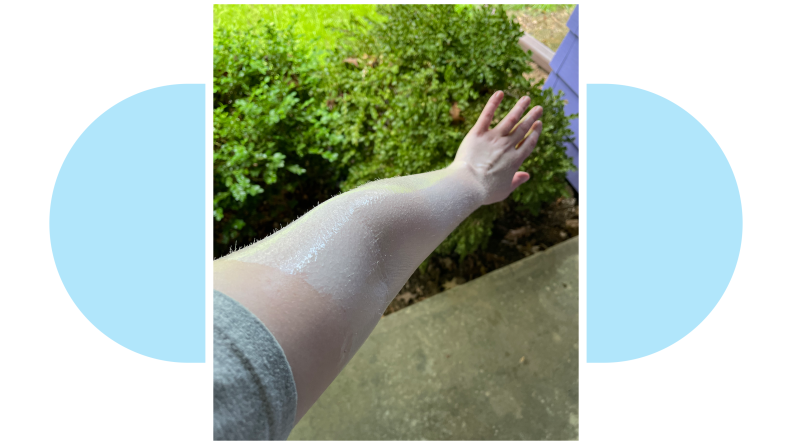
65	64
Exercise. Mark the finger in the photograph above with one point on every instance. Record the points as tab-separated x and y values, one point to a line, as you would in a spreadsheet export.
525	124
526	146
485	119
527	134
505	126
518	179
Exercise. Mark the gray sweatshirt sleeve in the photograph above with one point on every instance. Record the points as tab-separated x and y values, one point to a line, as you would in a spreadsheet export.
255	397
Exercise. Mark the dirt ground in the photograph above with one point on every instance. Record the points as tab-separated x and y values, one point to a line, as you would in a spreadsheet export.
547	27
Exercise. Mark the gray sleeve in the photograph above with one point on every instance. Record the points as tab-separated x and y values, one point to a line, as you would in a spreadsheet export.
255	397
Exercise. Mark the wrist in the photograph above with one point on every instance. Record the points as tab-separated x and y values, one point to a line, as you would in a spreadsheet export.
469	180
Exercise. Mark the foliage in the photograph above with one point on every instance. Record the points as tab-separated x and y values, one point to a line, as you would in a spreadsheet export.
318	25
396	97
405	92
267	122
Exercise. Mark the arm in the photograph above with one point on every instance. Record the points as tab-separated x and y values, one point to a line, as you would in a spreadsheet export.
321	284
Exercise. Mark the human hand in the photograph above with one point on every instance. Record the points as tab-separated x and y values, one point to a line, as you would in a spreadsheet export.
492	156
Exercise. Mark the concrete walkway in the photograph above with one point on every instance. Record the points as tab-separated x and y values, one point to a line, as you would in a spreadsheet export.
493	359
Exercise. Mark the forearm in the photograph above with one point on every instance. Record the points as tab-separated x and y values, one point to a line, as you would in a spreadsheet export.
322	283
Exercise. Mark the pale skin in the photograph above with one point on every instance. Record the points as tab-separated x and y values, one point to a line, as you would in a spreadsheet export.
321	284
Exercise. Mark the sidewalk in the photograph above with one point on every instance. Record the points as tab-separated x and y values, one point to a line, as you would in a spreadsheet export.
493	359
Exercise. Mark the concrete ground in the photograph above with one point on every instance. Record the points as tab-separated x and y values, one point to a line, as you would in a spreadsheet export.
493	359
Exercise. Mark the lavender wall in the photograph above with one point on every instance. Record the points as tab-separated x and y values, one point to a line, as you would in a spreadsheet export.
564	77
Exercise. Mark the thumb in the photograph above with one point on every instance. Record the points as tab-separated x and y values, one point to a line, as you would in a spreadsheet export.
518	179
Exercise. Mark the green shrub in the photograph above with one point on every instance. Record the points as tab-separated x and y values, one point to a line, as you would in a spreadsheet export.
321	22
268	166
406	91
396	98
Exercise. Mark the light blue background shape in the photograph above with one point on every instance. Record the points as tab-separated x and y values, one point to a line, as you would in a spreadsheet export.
127	223
664	223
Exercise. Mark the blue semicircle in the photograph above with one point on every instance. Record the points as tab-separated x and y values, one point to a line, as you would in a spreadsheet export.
664	223
127	223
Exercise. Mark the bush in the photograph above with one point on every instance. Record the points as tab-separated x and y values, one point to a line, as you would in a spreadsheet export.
396	98
268	166
405	92
322	22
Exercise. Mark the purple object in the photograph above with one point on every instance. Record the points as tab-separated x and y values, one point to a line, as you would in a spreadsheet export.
568	71
564	77
572	23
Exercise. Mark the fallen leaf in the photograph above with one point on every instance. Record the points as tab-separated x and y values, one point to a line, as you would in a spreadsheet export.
405	297
572	226
522	360
447	263
453	282
568	202
516	234
494	258
456	113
